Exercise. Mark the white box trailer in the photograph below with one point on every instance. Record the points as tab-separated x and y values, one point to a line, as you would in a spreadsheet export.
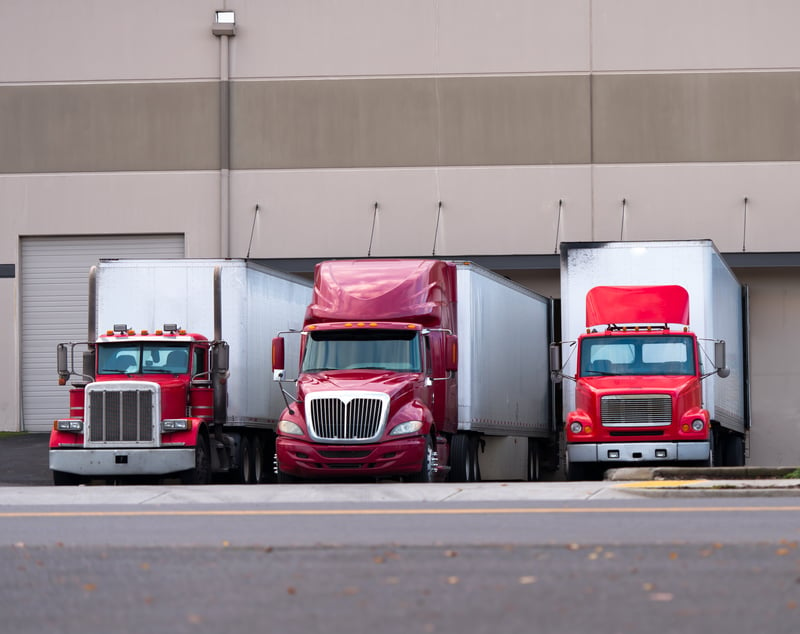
717	304
256	302
504	391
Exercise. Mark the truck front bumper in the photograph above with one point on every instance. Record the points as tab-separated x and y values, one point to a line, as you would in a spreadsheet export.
317	461
639	452
122	462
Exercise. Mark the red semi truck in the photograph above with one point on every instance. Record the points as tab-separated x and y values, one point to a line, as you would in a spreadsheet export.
418	369
648	381
175	400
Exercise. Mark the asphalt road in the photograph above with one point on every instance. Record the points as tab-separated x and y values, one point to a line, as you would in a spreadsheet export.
606	561
24	460
601	557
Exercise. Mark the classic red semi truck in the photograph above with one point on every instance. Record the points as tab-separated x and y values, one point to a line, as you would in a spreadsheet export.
189	393
658	373
418	369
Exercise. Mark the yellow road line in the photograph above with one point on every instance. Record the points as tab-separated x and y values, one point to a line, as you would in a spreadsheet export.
417	511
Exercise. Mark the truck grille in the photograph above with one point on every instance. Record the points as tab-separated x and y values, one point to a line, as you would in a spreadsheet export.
126	415
346	416
642	410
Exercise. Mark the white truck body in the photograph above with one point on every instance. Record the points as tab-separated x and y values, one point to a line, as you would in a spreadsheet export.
257	302
716	308
504	389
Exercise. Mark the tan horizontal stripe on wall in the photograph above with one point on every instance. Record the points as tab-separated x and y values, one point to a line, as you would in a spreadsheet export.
706	117
411	122
403	122
109	127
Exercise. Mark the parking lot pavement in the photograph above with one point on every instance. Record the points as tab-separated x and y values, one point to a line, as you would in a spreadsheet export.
24	460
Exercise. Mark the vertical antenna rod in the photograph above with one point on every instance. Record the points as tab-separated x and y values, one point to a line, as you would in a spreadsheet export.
372	233
436	231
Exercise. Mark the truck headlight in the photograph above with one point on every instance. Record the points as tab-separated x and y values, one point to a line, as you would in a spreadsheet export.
75	425
575	427
410	427
175	424
288	427
698	424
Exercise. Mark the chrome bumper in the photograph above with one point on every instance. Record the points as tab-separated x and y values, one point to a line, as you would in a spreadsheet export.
121	462
639	452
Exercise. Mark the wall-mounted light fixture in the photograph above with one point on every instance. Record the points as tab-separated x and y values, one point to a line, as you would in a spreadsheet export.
224	23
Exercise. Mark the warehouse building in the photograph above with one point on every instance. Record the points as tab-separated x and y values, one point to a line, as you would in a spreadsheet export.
291	131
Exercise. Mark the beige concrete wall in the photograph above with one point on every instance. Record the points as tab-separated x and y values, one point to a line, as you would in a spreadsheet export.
114	203
653	35
363	38
484	211
113	40
680	201
774	369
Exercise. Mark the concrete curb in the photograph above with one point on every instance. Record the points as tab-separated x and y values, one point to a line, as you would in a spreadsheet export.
698	473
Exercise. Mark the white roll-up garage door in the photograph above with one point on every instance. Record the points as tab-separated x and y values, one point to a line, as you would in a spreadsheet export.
54	282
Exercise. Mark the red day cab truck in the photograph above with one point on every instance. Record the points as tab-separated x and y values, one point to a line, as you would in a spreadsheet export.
658	373
418	369
186	394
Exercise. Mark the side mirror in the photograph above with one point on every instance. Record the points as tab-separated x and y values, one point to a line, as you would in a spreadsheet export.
278	358
719	360
62	364
555	363
451	353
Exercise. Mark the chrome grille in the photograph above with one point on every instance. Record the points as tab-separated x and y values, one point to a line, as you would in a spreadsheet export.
642	410
120	415
346	416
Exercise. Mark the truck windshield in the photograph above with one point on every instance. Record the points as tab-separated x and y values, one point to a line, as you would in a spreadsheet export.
142	358
637	355
396	350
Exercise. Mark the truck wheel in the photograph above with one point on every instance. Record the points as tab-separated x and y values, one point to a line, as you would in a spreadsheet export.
258	460
534	462
426	473
245	470
62	478
463	458
578	470
734	451
713	453
201	474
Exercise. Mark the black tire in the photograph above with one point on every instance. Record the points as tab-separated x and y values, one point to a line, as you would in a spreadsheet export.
244	472
464	459
579	470
258	470
734	451
713	454
62	479
426	472
459	449
201	473
534	461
